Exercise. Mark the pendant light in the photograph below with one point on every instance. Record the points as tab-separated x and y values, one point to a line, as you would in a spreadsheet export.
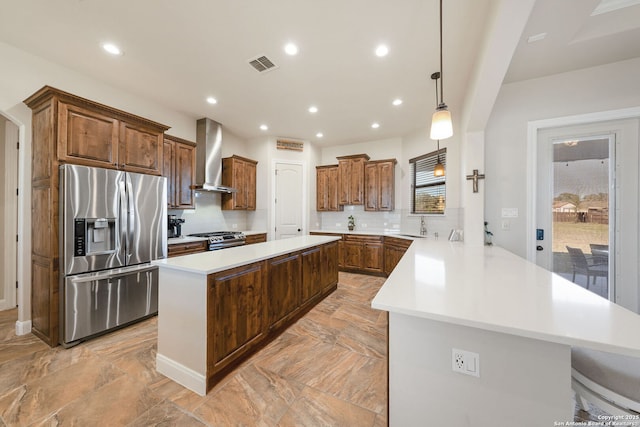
441	127
438	169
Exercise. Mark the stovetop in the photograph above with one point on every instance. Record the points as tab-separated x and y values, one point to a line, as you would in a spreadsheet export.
216	233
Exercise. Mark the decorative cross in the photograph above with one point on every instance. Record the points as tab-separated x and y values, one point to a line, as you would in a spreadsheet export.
475	177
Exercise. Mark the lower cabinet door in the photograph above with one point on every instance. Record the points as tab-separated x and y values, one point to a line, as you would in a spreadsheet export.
311	273
236	315
285	283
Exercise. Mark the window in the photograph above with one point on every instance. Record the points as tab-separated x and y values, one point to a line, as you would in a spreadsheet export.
428	191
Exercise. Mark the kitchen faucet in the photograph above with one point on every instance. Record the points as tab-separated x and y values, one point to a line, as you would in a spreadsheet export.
423	227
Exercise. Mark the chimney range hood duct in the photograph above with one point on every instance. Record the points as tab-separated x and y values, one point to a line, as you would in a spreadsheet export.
209	157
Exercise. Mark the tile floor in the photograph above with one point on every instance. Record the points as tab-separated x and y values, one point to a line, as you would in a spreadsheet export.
329	369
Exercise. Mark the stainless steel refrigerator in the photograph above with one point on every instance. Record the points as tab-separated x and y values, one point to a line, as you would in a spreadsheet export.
112	224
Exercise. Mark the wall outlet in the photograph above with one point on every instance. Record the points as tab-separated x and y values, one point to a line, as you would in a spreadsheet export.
465	362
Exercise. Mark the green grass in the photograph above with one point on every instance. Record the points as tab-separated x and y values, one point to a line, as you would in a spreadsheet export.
579	235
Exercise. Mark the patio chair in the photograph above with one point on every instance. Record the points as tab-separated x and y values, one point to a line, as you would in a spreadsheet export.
600	253
606	380
582	266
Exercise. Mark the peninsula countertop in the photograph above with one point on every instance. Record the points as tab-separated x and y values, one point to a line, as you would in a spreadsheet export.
213	261
489	288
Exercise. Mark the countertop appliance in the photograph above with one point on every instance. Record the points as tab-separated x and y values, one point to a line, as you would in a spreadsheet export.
113	224
222	239
175	226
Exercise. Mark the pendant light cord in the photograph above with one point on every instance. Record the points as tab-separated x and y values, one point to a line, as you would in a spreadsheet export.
441	73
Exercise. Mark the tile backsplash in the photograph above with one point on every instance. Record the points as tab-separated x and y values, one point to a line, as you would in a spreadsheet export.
400	220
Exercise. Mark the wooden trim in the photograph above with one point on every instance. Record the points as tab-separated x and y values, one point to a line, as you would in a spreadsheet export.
353	156
235	156
47	92
180	140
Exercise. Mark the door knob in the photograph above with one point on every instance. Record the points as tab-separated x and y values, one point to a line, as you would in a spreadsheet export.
299	229
539	248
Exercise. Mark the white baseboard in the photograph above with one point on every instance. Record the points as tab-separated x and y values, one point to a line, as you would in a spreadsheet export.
23	328
181	374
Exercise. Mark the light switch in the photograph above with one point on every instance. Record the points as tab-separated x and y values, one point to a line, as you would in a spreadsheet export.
509	212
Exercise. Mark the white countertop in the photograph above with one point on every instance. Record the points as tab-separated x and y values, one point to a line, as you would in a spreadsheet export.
214	261
489	288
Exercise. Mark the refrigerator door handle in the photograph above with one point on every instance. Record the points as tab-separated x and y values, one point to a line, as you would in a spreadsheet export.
124	243
111	274
130	218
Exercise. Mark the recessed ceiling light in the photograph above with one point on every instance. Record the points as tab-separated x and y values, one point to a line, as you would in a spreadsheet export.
112	49
212	100
319	135
264	127
382	50
291	49
313	109
375	125
397	102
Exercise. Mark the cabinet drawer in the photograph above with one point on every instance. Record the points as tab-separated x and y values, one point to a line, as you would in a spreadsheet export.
178	249
362	238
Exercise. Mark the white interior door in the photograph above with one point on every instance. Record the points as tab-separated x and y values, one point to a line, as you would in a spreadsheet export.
289	200
586	191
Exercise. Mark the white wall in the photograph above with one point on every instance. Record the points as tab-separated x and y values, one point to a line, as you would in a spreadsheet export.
21	75
598	89
4	227
402	149
597	92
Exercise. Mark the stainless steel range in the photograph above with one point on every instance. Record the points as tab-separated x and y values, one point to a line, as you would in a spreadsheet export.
222	239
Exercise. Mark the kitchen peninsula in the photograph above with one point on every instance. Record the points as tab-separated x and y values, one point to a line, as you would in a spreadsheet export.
447	298
216	308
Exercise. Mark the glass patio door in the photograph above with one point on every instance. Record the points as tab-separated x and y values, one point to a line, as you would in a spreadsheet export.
576	208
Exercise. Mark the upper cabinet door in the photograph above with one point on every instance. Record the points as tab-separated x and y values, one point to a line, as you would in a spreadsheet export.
140	149
357	181
185	173
87	137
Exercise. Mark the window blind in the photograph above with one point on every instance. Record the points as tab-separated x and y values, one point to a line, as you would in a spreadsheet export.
428	190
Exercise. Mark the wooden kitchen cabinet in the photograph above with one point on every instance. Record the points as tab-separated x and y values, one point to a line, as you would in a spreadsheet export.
351	179
94	135
255	238
179	249
363	253
329	265
379	179
70	129
239	173
394	249
179	167
311	273
327	188
285	285
236	319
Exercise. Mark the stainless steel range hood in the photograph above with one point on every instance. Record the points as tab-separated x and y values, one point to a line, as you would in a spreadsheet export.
209	157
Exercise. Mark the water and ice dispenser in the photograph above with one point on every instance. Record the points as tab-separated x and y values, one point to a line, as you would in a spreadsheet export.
94	236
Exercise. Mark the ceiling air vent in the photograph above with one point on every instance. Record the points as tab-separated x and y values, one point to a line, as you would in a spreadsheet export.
262	64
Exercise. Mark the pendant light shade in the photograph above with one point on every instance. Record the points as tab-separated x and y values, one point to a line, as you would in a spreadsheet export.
438	170
441	127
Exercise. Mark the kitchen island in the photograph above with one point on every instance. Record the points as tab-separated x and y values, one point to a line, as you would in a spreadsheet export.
447	298
217	308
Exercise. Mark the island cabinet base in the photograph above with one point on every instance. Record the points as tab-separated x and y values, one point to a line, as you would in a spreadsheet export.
522	382
209	324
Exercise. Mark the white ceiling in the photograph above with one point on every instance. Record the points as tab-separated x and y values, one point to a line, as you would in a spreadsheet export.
179	53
